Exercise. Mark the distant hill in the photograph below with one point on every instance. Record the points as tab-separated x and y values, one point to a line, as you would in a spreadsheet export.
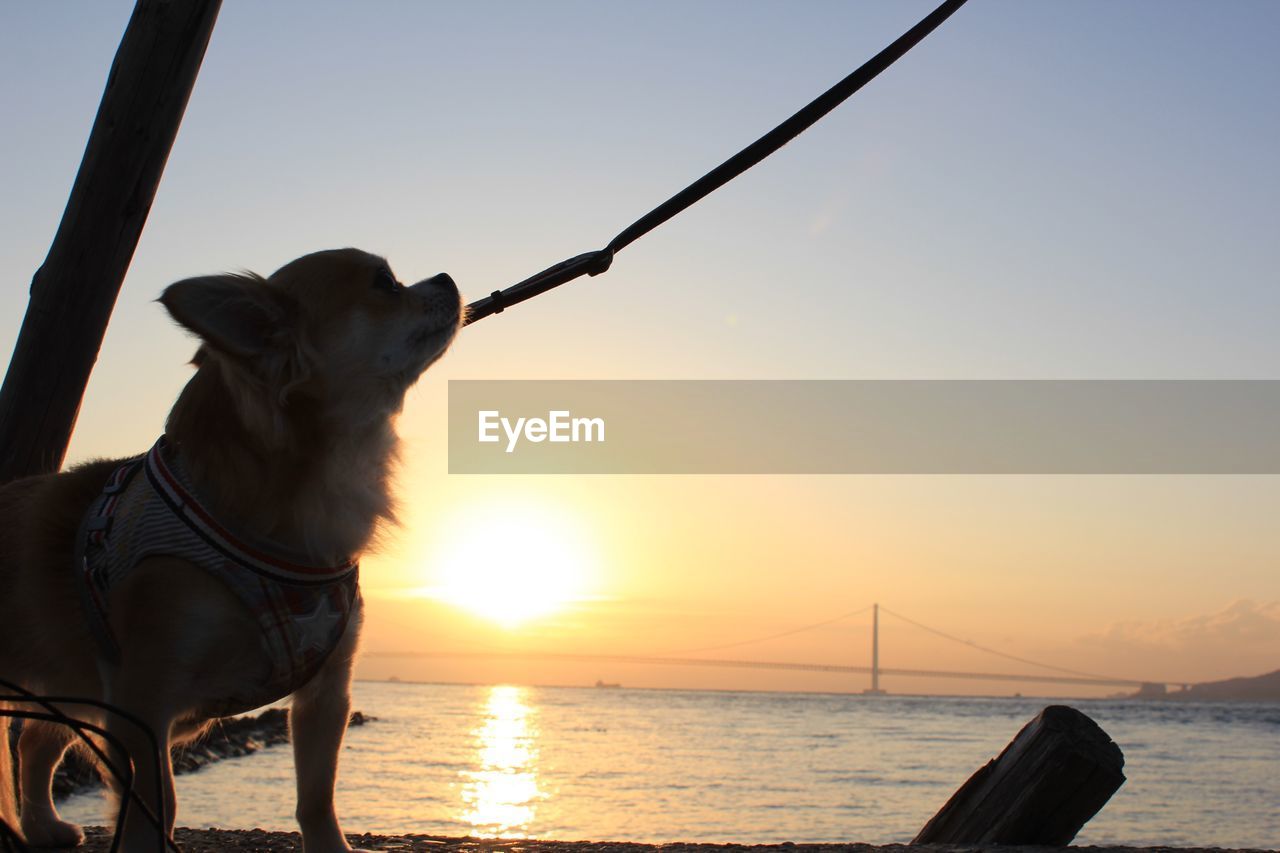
1259	688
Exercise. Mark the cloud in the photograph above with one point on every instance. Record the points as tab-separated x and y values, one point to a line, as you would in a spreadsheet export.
1240	639
1242	622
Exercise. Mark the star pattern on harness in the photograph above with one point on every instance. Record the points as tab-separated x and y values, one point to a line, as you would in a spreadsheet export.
315	628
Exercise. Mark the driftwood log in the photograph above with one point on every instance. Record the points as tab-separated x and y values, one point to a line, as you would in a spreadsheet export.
74	291
1047	783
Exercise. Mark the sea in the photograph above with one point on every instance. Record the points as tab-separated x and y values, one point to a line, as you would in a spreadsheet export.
620	764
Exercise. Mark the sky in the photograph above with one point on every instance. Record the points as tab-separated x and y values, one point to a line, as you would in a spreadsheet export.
1081	190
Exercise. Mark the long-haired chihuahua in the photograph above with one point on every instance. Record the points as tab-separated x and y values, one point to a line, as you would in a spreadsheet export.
217	572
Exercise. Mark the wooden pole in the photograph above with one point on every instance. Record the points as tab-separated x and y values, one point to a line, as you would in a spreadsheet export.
75	289
1048	783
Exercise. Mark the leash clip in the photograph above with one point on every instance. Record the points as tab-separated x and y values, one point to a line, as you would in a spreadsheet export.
601	262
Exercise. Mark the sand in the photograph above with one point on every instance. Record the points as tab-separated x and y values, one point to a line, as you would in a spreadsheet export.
214	840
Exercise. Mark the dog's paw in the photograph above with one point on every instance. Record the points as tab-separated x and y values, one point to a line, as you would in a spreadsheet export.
327	843
53	833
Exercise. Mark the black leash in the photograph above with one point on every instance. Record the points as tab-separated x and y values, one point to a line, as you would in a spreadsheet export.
597	262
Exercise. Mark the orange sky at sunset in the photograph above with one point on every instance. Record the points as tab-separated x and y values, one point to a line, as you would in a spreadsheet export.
999	205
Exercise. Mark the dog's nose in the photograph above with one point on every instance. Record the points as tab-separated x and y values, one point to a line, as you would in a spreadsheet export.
438	293
444	280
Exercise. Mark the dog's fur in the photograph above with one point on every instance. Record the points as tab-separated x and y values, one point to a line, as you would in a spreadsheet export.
287	431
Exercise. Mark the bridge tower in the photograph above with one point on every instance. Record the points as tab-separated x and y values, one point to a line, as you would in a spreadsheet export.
874	689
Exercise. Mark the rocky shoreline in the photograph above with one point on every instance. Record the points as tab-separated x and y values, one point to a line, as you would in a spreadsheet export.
213	840
231	737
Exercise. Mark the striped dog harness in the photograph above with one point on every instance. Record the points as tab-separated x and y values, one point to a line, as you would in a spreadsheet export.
148	508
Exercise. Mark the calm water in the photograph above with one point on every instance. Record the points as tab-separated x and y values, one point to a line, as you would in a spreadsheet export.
646	765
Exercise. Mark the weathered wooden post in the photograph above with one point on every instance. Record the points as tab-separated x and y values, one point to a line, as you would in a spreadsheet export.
1047	783
75	289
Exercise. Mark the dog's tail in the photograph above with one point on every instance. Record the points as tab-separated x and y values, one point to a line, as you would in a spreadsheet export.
8	792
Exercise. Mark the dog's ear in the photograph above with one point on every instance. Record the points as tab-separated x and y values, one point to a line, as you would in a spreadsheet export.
238	315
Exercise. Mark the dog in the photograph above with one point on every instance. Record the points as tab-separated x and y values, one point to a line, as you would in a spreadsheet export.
217	572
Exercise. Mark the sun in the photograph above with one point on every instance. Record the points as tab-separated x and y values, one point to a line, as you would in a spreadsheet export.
511	566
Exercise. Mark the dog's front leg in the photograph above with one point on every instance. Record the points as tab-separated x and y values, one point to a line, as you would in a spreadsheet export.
152	768
317	722
40	748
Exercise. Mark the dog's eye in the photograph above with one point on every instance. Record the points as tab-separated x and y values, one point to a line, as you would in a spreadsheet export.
384	280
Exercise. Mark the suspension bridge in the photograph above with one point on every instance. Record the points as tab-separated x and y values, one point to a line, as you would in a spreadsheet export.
1050	674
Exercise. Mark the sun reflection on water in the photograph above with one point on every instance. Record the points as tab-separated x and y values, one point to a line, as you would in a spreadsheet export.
500	794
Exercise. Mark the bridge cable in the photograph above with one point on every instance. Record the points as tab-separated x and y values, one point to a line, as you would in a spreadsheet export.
995	652
802	629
